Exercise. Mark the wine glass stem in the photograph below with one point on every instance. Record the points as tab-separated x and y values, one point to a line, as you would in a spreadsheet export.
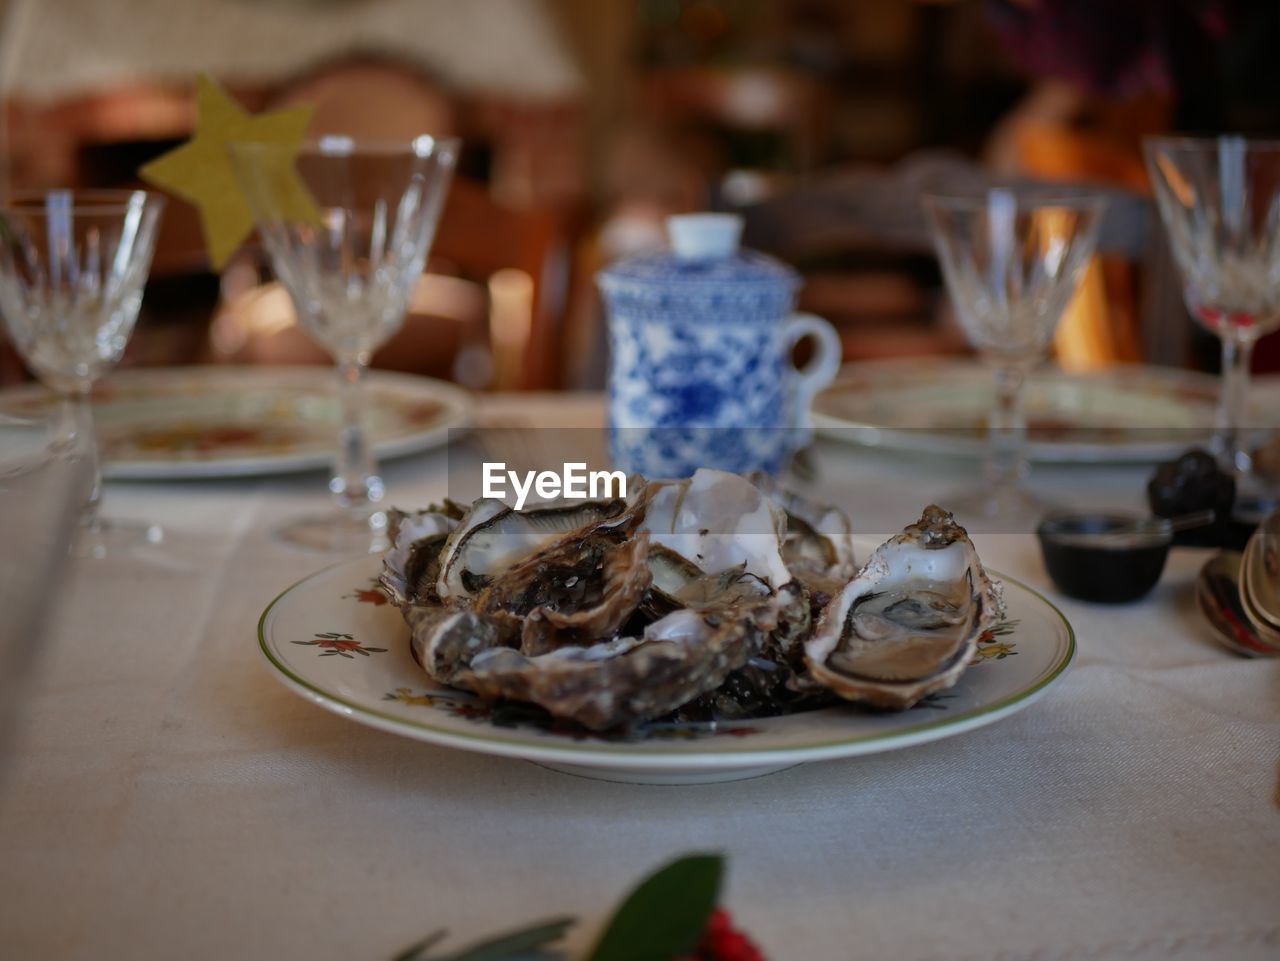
1007	430
1232	404
356	485
77	430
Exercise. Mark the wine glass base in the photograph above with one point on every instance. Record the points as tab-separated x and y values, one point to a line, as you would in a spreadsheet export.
111	538
1004	510
336	533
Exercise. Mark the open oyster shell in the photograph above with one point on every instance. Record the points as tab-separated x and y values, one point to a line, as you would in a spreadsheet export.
817	545
625	679
582	587
715	520
909	623
416	541
491	537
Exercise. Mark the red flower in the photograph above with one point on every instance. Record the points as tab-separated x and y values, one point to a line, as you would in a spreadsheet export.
371	596
724	942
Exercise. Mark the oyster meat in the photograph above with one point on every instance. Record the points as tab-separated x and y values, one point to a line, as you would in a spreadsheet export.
491	537
908	625
579	589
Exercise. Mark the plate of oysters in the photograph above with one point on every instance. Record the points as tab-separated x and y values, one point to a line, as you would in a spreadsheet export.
713	628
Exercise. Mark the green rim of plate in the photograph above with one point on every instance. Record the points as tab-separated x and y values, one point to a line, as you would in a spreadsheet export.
604	747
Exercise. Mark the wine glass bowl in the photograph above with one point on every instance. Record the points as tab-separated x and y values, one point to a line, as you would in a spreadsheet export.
72	269
1219	199
1011	259
349	250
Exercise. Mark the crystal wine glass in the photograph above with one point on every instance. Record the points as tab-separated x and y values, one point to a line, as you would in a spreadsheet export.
72	269
1012	259
350	273
1220	201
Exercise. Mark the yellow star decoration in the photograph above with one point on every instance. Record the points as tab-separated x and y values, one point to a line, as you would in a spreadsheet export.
200	170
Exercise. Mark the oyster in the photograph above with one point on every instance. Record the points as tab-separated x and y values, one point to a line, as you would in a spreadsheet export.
445	639
581	588
625	679
586	583
717	518
818	543
669	574
715	521
492	537
909	623
416	541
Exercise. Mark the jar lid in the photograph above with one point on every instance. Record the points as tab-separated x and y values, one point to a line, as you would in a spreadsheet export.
704	253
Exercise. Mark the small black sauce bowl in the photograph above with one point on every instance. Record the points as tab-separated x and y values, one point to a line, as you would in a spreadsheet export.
1087	565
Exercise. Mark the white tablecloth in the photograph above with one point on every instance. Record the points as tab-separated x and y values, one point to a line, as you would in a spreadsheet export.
171	800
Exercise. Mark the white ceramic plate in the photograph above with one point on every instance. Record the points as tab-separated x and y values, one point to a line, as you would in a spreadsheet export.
939	406
333	639
171	423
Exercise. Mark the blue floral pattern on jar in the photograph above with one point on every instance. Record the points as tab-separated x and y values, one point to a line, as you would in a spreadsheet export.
700	370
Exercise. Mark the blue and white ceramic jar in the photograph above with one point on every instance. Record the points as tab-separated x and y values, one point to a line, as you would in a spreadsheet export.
700	355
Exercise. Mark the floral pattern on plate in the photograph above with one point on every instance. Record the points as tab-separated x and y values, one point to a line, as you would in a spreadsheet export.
333	643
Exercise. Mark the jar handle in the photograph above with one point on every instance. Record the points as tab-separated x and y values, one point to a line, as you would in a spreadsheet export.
820	371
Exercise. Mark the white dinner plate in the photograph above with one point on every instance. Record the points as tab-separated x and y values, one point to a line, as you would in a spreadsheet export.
939	406
332	638
173	423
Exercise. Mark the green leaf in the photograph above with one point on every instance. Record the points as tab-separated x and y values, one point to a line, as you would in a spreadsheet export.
524	943
666	915
415	952
517	944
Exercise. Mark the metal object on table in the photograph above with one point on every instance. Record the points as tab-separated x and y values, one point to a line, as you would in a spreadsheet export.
1218	594
1260	572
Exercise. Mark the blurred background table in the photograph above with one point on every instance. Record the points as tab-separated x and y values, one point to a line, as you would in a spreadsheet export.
586	122
171	799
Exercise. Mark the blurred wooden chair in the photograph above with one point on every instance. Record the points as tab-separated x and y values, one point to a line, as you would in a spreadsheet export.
879	211
778	115
1100	326
1128	307
443	326
484	313
700	132
370	100
520	255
